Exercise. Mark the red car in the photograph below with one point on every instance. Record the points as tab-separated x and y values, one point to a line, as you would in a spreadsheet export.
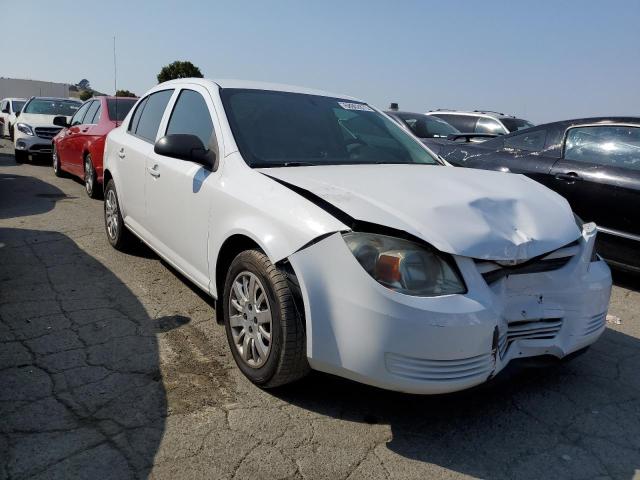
78	147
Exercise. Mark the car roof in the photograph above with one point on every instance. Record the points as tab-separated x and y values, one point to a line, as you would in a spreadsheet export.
404	112
59	98
13	98
474	113
253	85
592	121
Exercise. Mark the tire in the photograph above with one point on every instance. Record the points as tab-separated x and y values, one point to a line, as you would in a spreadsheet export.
286	358
11	133
55	161
118	235
90	178
21	156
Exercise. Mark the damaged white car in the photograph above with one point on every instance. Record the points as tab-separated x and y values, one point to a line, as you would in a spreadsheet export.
334	240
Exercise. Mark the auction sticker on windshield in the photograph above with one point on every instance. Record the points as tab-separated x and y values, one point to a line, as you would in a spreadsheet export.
355	106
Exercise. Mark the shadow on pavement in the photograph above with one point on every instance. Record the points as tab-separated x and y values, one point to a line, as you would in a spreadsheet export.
81	394
575	419
17	194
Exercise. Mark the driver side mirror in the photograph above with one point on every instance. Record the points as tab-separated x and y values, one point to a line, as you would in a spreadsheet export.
61	122
17	113
6	110
186	147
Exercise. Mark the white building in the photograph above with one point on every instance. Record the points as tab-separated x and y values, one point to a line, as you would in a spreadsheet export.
20	88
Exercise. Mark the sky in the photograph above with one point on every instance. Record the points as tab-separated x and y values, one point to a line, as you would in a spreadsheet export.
542	60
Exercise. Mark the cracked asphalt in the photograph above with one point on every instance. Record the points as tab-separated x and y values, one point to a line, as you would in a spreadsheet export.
112	367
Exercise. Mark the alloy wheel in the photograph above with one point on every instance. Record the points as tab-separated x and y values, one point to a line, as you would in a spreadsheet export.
250	319
111	214
88	175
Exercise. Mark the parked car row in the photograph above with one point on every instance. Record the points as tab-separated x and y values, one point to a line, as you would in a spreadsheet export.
332	238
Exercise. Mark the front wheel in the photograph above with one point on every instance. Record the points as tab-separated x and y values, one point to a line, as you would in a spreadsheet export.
90	178
21	156
264	331
118	235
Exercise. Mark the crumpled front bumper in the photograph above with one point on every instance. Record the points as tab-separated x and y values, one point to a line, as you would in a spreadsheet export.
358	329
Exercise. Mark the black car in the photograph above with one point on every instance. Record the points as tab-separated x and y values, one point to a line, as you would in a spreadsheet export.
593	162
433	131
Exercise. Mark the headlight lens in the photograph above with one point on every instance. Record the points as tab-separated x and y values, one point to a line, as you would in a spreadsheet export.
405	266
24	128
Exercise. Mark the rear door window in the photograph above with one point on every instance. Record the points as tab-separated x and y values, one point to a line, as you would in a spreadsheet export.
151	115
531	142
464	123
611	145
488	125
93	108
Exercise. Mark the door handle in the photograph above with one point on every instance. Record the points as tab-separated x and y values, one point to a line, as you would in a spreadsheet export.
569	177
121	153
154	171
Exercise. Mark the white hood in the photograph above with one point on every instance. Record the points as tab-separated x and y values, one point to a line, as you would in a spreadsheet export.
38	119
474	213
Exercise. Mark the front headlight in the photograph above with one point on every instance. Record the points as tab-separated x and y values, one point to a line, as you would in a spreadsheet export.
24	128
405	266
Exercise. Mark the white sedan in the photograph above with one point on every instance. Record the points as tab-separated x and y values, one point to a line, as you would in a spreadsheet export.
334	240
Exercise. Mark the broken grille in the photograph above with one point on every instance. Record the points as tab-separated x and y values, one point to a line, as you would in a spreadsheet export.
492	271
545	329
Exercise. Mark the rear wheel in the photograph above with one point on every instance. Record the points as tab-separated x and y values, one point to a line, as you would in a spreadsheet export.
264	330
90	178
56	163
118	235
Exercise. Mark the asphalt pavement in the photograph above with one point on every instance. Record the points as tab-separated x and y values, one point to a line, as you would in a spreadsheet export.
111	366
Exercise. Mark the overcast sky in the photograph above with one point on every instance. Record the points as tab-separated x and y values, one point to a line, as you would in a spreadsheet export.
542	60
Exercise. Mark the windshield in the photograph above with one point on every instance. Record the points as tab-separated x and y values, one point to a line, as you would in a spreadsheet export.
292	129
52	107
427	126
515	124
118	108
17	105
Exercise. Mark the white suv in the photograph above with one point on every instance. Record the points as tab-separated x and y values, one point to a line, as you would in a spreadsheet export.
333	239
8	109
484	121
34	128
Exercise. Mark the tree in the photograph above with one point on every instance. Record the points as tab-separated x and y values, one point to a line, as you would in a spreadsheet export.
86	95
84	84
125	93
179	69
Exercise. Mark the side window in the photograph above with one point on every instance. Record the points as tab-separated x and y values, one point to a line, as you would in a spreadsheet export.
79	115
531	142
616	146
96	116
133	124
93	108
488	125
3	105
191	115
151	116
464	123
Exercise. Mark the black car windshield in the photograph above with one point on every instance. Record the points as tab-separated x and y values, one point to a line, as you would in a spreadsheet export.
427	126
119	107
17	105
515	124
275	129
52	107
